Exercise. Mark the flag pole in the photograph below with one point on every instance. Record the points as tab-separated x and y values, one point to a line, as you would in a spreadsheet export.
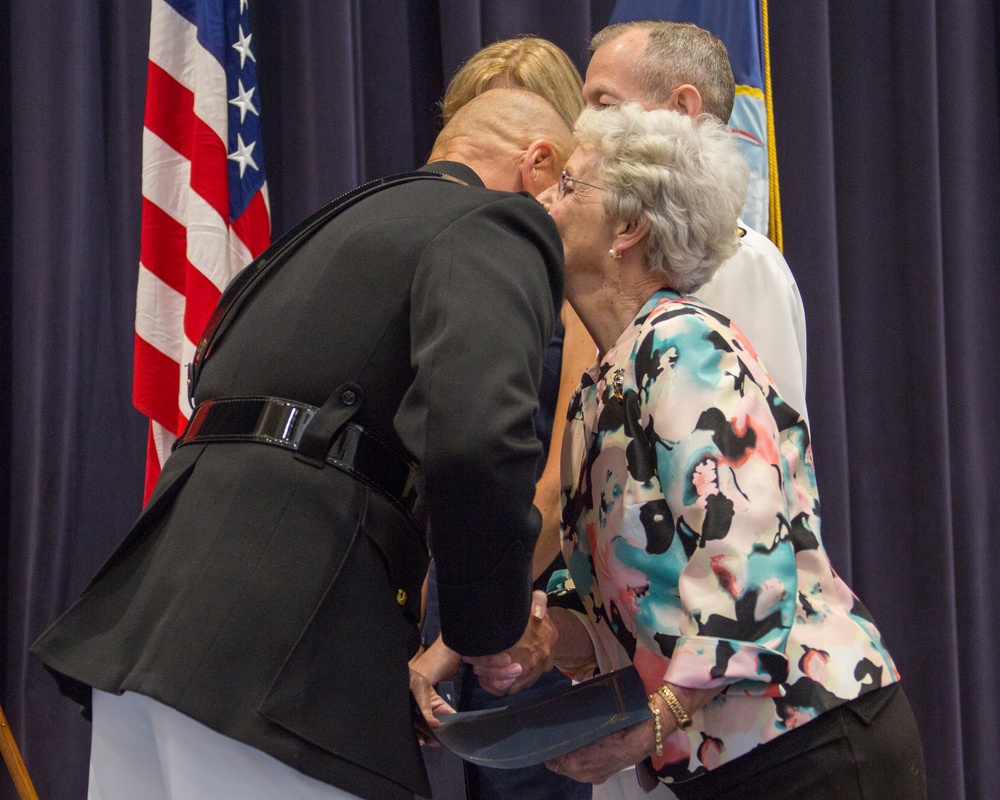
15	764
774	210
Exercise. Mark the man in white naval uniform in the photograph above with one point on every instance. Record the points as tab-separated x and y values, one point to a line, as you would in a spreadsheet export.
682	67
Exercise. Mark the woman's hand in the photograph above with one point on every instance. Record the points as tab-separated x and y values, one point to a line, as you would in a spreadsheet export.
431	706
598	761
437	663
428	668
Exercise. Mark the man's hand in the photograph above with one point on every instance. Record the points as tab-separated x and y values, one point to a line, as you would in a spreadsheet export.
521	665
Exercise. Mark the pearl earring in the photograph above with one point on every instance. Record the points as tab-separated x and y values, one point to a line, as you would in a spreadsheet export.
613	253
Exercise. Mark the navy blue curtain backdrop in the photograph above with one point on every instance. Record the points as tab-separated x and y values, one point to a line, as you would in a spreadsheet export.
888	134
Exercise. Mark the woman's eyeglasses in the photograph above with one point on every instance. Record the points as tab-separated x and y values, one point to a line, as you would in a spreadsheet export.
567	179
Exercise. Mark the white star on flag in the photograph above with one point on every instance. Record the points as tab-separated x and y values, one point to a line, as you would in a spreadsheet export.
243	155
244	100
243	48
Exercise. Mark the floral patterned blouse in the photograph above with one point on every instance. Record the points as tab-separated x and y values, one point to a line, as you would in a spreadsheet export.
691	533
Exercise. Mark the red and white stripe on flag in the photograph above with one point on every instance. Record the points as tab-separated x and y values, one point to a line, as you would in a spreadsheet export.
205	211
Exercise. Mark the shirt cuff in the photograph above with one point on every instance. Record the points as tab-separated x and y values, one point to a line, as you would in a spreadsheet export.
702	662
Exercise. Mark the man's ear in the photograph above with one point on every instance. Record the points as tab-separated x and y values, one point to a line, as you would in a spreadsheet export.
686	99
539	167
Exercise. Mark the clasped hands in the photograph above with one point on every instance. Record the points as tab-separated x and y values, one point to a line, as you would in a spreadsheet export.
516	669
519	666
534	653
507	672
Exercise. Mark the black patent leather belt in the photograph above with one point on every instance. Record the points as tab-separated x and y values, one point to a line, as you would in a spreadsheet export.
280	422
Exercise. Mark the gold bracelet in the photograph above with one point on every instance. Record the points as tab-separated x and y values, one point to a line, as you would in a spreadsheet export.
683	718
657	724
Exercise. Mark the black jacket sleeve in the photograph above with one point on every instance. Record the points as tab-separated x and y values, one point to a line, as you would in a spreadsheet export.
485	298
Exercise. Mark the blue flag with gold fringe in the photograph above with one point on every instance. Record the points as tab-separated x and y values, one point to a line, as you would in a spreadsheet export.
742	27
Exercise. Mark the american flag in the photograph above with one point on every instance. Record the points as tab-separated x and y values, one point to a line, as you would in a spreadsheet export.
205	211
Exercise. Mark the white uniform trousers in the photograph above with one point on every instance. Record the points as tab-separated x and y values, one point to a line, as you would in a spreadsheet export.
141	748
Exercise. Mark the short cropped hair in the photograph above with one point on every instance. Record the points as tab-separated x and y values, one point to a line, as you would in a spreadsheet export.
679	53
526	62
685	176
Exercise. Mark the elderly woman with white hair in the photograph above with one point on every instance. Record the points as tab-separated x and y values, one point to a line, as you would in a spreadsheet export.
690	511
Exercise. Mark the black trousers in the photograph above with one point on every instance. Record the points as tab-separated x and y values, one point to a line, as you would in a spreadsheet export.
866	749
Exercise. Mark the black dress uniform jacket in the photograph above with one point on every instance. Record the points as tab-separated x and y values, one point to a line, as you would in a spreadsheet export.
277	601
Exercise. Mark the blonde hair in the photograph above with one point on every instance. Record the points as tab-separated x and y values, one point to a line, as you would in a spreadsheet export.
526	62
